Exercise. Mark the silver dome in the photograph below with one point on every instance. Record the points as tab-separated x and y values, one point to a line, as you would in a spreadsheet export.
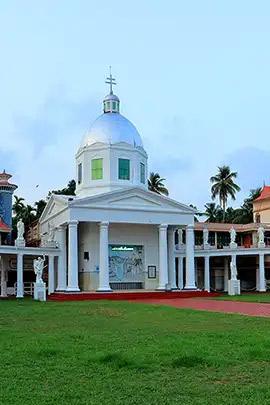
112	97
112	128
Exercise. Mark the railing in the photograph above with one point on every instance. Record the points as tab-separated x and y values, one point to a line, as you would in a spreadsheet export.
128	285
28	288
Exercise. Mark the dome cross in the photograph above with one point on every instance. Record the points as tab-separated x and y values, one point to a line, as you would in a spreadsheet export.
111	81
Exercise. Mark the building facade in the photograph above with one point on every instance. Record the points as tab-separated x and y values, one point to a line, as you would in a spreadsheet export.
115	233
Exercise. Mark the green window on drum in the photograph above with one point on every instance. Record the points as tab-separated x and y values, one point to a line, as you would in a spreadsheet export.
124	169
97	169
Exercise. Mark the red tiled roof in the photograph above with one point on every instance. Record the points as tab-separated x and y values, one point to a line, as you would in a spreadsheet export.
4	227
265	193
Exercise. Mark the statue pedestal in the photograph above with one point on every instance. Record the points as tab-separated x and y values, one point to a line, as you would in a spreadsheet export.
40	291
233	245
234	287
20	242
49	244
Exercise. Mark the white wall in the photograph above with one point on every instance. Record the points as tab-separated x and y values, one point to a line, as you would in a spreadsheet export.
110	155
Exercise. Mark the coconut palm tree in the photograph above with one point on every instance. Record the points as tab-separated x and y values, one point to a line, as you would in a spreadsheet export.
213	212
155	184
28	214
224	186
18	206
40	206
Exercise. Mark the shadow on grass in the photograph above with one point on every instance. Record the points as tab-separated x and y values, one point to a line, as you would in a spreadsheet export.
118	361
189	361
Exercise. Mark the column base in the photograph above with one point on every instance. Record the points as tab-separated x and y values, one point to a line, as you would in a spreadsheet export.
104	290
190	288
262	290
161	289
72	289
61	289
19	296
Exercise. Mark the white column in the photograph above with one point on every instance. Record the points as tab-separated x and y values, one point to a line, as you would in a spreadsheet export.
20	290
62	259
104	284
207	273
51	275
226	273
216	240
190	267
180	273
171	258
261	273
73	256
163	257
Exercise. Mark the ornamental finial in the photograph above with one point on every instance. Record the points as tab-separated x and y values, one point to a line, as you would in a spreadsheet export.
111	81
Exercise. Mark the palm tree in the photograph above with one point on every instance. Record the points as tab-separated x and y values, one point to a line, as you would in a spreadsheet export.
28	214
18	205
244	215
155	184
213	212
40	206
224	186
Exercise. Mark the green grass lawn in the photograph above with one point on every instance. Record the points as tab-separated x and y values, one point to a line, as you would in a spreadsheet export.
249	297
124	353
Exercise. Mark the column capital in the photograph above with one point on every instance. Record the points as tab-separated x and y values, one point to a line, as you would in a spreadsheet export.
104	224
163	226
61	228
73	223
190	227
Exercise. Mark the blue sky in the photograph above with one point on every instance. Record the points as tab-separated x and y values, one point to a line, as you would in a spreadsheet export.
193	76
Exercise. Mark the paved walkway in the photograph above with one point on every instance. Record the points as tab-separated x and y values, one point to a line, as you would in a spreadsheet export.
243	308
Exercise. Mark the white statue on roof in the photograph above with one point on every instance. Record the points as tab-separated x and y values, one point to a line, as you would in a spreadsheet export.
51	232
205	236
232	234
260	233
20	229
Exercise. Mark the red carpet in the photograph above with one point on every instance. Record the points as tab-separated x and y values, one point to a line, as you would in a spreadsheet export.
126	296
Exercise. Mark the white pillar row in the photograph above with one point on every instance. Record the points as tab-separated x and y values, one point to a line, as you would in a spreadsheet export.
51	275
163	257
181	272
190	267
104	282
62	258
171	258
73	256
3	277
261	273
20	289
226	273
207	273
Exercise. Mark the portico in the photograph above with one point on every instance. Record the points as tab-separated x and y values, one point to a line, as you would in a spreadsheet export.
127	223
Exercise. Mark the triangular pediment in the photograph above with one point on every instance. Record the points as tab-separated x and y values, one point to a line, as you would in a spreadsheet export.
54	206
136	198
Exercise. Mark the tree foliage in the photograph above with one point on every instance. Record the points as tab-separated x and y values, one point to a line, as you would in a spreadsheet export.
223	186
156	184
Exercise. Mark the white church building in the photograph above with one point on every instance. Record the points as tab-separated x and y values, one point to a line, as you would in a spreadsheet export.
115	234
